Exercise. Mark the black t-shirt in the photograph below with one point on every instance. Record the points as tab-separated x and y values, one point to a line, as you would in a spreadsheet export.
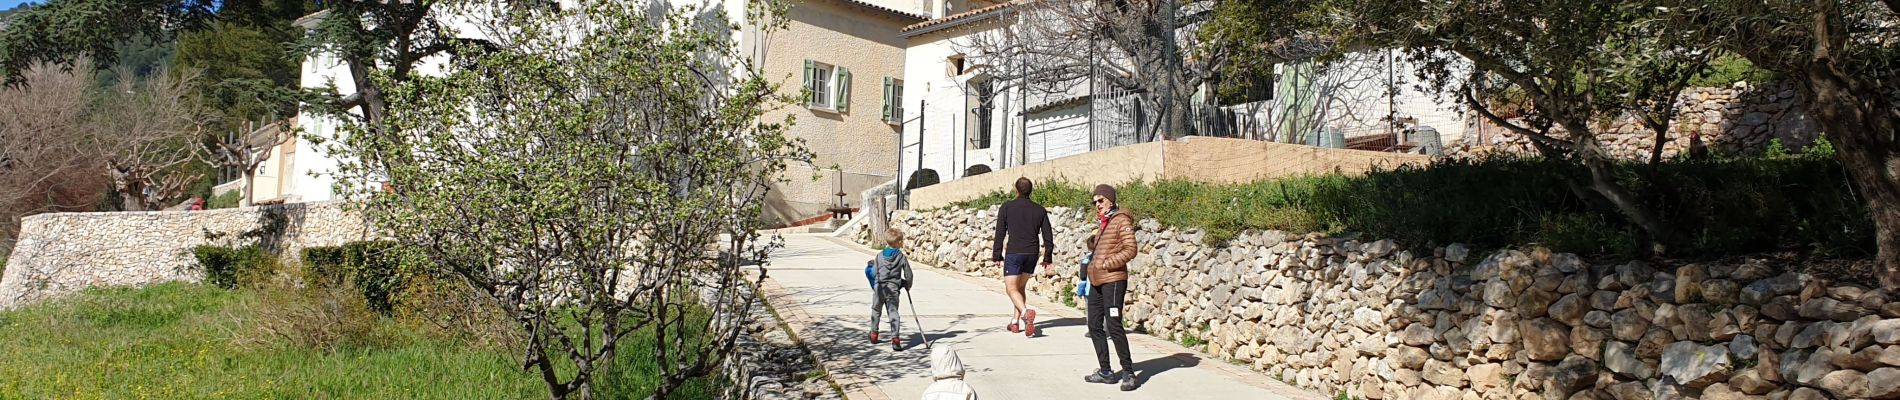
1021	220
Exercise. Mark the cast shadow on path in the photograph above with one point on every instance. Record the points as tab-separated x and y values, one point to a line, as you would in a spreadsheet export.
1145	370
848	338
1042	327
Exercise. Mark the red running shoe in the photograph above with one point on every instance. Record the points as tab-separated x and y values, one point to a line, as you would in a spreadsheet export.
1014	328
874	337
1029	323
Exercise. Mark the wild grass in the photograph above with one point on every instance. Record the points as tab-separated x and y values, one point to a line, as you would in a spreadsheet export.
179	340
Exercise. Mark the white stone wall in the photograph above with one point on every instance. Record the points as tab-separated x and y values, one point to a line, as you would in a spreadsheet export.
61	253
1376	321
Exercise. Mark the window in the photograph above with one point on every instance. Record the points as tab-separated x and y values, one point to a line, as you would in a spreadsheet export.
893	100
820	85
981	128
956	65
829	86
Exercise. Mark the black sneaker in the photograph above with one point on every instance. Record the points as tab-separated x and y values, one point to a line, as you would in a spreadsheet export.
1100	376
1128	380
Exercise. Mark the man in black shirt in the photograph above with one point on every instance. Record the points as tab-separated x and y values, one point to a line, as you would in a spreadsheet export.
1021	221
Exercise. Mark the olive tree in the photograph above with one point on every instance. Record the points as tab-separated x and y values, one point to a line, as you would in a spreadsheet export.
1844	55
1544	70
595	171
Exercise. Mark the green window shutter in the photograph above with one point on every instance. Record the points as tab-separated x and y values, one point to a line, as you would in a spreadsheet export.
844	90
889	105
810	67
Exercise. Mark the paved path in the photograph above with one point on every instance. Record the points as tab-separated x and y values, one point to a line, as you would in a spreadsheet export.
817	284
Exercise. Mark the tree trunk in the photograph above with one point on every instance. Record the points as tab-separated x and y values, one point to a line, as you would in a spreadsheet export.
1603	181
1662	139
1862	121
250	184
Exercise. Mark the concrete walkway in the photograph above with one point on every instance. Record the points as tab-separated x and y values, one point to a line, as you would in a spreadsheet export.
816	283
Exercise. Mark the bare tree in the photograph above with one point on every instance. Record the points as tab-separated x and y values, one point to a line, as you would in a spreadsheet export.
145	131
247	149
1140	46
44	163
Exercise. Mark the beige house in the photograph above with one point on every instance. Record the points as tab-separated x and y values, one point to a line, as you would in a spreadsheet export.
847	53
272	180
849	57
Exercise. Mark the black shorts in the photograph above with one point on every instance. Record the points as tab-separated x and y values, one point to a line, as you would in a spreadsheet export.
1018	264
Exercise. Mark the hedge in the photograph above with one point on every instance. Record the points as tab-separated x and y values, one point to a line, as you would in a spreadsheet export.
1724	207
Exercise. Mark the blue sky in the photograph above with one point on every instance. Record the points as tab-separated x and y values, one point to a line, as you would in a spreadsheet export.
9	4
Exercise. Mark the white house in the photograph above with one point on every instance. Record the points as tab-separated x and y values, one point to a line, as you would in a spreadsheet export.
958	116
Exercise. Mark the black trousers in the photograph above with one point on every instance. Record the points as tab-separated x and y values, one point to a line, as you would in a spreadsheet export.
1105	323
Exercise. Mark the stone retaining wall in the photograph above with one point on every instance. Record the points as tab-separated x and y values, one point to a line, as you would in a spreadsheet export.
1739	119
62	253
768	363
1378	322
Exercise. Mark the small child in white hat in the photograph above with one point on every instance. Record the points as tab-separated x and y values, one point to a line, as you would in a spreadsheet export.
947	369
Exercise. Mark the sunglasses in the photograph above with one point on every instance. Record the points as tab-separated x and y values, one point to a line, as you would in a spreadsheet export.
1101	201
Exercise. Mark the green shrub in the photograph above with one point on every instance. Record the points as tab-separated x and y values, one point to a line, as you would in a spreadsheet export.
230	267
1723	207
1728	68
229	199
380	270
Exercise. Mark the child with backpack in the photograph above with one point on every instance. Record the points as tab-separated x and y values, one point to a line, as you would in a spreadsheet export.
889	274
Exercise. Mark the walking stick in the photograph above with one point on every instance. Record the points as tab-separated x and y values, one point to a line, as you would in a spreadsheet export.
919	321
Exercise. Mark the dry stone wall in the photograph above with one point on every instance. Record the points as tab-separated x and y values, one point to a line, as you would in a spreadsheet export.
62	253
1731	120
1376	321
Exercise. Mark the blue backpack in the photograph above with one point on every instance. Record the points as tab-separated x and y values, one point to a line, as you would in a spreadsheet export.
870	273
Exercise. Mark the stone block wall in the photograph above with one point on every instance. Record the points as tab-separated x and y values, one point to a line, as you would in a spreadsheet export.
1739	119
61	253
1376	321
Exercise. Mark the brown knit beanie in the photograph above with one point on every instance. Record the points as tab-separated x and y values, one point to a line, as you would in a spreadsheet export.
1107	192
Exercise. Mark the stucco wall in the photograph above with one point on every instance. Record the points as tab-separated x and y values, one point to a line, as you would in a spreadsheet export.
1200	159
61	253
1222	160
858	141
310	177
1058	133
942	124
1351	94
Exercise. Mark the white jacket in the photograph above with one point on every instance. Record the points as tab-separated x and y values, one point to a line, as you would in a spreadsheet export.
947	368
